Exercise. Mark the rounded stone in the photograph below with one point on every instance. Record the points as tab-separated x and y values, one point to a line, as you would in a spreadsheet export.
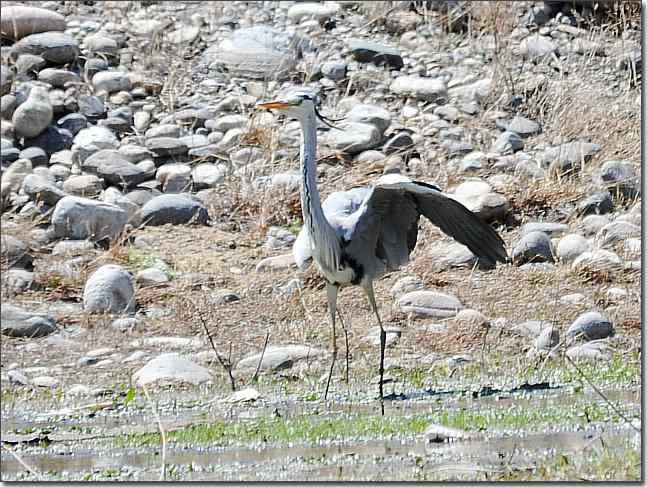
109	290
34	115
591	326
533	247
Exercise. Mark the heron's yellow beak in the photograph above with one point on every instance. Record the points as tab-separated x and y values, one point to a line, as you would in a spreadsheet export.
273	104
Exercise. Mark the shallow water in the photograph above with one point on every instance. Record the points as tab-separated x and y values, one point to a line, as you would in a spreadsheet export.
73	454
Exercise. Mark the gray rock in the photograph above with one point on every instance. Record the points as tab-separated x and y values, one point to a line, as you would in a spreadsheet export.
176	209
171	368
334	70
591	224
51	140
312	10
430	304
166	147
164	130
114	197
537	46
620	176
507	142
598	260
427	89
456	148
101	44
406	285
16	377
230	140
530	169
8	155
19	21
593	350
8	104
228	122
373	52
278	358
58	77
371	114
115	169
478	197
519	125
29	64
472	92
34	115
224	296
174	178
194	141
591	326
447	112
74	122
533	247
55	47
93	139
547	339
569	155
18	280
14	175
616	231
40	189
86	185
72	248
571	246
549	228
91	107
135	153
110	81
17	322
454	255
258	52
109	290
531	328
151	276
597	203
15	253
207	175
354	138
82	218
399	143
36	155
129	323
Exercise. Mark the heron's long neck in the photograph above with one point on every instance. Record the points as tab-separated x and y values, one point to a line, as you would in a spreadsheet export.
323	236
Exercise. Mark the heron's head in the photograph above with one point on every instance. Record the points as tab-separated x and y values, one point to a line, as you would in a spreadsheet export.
297	104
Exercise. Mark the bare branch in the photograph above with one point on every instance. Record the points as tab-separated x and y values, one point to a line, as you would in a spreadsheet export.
260	361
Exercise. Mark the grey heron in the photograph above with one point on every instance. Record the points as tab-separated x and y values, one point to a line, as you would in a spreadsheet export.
357	236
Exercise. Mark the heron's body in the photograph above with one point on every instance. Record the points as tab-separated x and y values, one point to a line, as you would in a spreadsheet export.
356	236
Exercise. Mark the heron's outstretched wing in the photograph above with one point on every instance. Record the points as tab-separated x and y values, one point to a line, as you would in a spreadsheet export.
386	222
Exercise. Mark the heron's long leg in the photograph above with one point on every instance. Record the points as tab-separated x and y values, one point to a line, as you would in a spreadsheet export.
332	291
371	298
343	327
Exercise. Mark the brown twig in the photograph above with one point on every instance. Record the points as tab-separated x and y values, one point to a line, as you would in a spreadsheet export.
226	364
260	361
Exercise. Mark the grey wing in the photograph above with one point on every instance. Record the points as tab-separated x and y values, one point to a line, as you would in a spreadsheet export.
336	207
386	225
458	222
383	231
